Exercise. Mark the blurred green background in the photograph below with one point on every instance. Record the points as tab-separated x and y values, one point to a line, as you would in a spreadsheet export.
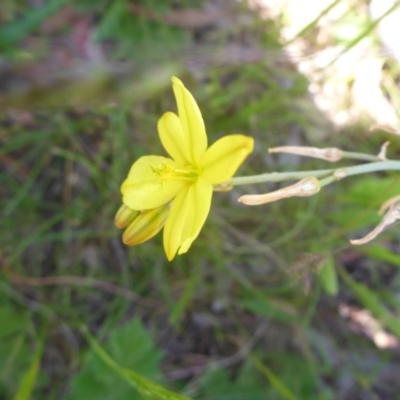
270	302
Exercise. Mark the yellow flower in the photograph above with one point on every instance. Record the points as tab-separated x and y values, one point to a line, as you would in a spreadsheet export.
184	181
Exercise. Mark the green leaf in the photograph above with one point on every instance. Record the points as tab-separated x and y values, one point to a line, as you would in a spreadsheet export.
12	32
181	305
145	386
149	389
280	387
130	354
382	253
328	277
15	356
290	376
29	379
216	384
270	308
358	206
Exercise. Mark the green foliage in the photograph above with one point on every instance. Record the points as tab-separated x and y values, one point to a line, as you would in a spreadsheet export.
130	348
65	148
285	377
328	277
13	31
276	383
350	27
117	21
135	34
381	253
15	354
179	308
29	379
269	307
217	384
358	205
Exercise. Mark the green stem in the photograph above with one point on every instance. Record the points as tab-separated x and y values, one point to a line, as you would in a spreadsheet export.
360	156
331	175
372	167
327	181
278	177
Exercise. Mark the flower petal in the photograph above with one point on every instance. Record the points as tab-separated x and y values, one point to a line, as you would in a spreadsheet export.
151	182
187	216
174	225
146	225
223	158
200	203
192	122
172	137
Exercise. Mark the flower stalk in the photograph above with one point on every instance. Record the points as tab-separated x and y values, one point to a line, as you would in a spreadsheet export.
174	193
389	165
310	185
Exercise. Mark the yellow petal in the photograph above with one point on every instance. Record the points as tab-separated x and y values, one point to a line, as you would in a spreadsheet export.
223	158
192	122
188	213
151	182
146	225
125	216
172	235
200	199
172	137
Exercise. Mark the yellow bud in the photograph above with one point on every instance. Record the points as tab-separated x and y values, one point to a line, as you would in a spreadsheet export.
146	225
125	216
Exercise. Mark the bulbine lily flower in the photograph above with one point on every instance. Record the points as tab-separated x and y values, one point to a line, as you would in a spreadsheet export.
175	193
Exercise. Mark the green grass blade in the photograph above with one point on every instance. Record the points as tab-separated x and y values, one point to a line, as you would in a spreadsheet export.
381	253
328	277
269	308
181	305
280	387
29	378
364	33
314	21
14	31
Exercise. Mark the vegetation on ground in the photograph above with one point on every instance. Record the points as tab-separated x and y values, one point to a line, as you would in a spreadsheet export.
270	302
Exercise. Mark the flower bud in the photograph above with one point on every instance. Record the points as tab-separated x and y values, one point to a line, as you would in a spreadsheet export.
305	187
125	216
145	225
331	154
390	218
